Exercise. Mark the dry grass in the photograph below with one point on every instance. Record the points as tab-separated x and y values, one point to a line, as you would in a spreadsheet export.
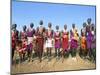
53	65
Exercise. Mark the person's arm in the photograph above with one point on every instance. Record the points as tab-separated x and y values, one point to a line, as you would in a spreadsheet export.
20	34
17	35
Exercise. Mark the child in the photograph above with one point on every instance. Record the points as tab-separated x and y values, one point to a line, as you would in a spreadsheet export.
21	48
83	45
57	42
23	36
65	40
83	30
49	35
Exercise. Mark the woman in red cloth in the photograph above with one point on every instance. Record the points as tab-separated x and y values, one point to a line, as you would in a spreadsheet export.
40	40
83	45
15	38
65	39
57	42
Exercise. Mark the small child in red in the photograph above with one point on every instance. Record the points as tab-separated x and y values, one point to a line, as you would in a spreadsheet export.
21	48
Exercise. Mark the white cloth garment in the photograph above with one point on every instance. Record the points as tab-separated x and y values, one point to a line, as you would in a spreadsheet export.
48	43
30	40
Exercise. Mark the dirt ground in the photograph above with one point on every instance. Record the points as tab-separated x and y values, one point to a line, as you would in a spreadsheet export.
53	65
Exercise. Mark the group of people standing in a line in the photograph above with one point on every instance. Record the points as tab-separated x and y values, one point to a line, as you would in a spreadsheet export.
64	42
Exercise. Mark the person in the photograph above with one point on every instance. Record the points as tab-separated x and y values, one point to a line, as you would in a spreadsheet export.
93	43
21	48
90	38
15	38
74	41
40	40
65	41
89	42
83	52
57	42
49	41
23	36
30	35
83	30
89	21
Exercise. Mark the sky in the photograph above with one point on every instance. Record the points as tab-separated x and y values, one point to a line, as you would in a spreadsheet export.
24	13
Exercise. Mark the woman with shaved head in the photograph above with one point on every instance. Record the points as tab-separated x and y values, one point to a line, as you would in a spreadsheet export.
57	42
74	41
65	40
15	38
40	40
30	35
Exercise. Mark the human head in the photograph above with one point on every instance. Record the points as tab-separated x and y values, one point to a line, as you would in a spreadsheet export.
49	25
73	25
89	21
65	26
31	25
41	22
57	27
84	24
24	28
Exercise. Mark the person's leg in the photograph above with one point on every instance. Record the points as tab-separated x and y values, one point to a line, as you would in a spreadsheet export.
55	52
47	52
13	53
31	55
38	54
20	55
58	53
90	54
41	52
67	53
85	53
23	56
35	54
50	52
28	52
62	55
64	50
75	51
72	52
82	54
94	54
